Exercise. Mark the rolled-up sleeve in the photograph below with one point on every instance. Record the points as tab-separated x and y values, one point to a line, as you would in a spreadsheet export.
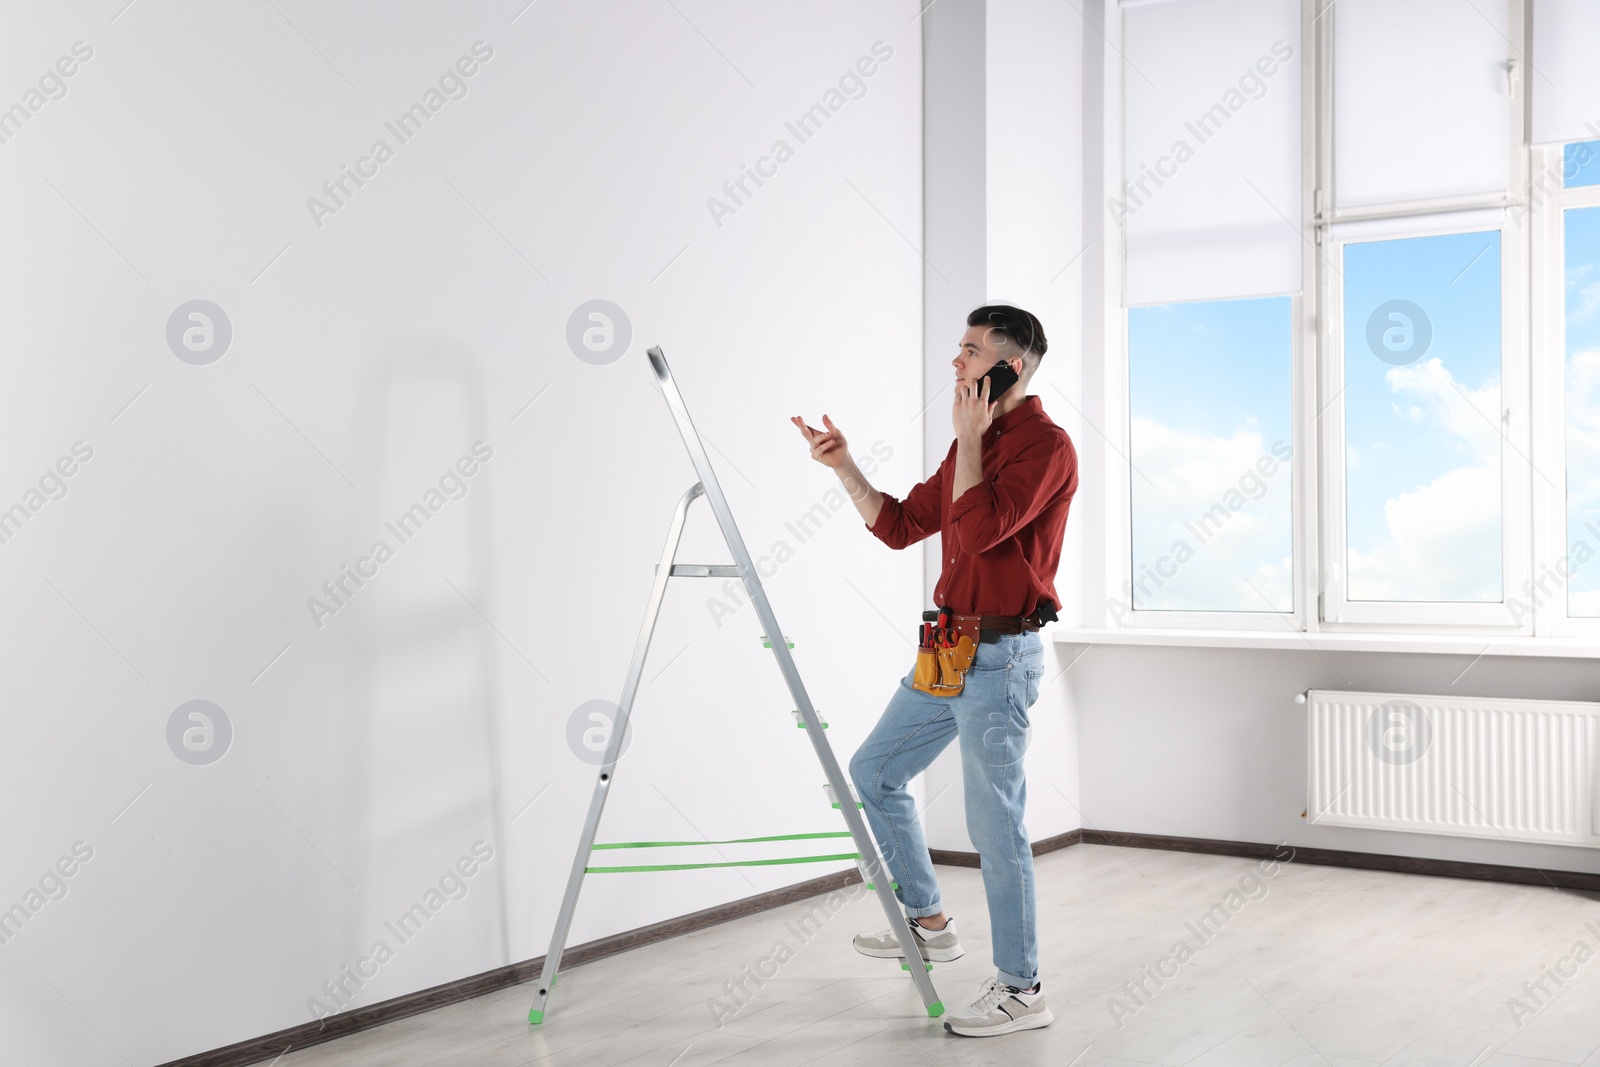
995	509
902	523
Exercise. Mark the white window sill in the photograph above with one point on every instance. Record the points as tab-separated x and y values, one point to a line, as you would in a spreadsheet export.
1294	640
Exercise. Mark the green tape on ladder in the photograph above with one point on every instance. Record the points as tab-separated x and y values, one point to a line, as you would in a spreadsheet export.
730	841
873	889
925	964
735	863
766	642
833	801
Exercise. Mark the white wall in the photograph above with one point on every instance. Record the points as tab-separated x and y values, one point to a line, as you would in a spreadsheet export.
369	754
1208	742
1004	111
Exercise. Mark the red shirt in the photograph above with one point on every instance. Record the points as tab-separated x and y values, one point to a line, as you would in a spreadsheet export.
1002	540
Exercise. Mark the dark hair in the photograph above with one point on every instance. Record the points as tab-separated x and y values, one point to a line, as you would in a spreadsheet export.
1020	327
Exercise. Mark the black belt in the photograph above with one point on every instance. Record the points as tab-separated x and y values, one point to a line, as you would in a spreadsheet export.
991	627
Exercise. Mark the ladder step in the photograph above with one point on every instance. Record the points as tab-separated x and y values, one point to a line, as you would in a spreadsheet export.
798	721
702	570
766	642
733	863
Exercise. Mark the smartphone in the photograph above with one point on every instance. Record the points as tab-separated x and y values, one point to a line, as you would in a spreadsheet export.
1001	377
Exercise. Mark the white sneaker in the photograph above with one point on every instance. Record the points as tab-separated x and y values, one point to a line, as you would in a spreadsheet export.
936	946
1001	1009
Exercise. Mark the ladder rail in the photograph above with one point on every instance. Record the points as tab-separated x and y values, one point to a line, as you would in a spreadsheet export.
602	786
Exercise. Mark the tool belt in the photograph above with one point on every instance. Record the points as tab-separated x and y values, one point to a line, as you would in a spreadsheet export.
946	648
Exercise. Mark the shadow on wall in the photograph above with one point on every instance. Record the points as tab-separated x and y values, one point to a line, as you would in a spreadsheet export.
420	703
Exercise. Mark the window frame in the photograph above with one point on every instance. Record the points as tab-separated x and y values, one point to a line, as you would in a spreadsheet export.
1215	620
1340	612
1532	525
1546	219
1426	218
1301	467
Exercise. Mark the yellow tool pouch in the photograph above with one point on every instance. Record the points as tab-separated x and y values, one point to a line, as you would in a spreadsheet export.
941	672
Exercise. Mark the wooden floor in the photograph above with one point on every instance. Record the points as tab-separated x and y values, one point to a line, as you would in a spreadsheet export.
1310	966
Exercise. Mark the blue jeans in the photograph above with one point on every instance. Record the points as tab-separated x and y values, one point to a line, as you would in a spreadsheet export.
990	716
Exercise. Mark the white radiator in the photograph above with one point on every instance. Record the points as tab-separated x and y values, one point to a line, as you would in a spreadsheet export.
1519	770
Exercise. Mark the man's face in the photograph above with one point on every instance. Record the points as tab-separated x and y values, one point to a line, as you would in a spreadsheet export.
979	352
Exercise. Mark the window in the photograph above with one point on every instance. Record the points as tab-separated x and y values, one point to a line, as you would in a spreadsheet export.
1210	444
1422	446
1213	264
1371	231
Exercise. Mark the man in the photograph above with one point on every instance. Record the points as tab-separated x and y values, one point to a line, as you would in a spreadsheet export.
999	501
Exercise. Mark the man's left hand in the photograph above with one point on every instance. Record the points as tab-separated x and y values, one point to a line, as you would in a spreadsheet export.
973	410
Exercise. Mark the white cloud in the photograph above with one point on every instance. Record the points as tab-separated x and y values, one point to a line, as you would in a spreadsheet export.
1472	416
1588	295
1246	543
1585	604
1443	543
1583	429
1443	538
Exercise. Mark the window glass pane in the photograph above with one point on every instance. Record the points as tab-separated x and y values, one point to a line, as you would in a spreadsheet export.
1582	227
1210	437
1580	164
1422	425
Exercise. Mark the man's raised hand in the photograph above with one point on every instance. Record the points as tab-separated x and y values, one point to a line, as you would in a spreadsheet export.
828	447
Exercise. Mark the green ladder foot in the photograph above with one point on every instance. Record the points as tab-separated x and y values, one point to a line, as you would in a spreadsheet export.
535	1016
766	642
873	889
936	1009
926	965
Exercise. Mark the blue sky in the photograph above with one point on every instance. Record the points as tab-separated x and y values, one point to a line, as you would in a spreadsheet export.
1422	463
1582	233
1209	389
1581	164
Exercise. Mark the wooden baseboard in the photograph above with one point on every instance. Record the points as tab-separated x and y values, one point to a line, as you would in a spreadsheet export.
1324	857
259	1049
970	859
1330	857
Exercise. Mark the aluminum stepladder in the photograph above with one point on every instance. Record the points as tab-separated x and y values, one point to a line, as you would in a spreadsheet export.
870	863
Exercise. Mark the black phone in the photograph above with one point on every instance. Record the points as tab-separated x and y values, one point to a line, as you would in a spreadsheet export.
1001	377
